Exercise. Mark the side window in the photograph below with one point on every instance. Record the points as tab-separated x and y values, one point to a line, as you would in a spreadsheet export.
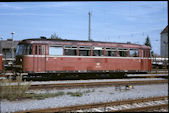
122	52
24	50
98	51
134	52
110	51
39	49
43	49
29	50
84	51
36	49
55	50
70	50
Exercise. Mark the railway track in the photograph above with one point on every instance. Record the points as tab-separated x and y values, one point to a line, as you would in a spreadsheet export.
94	84
152	74
141	104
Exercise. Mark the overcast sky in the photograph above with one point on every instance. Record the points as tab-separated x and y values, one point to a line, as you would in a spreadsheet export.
110	21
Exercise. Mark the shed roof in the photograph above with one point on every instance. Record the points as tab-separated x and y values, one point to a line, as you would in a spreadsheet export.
8	44
165	30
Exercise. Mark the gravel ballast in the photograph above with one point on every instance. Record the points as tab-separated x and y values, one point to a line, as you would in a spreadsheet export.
90	95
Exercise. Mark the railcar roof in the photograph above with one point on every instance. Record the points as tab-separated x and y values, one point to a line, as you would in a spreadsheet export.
40	40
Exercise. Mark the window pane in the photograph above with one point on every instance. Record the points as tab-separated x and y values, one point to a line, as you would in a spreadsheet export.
19	50
98	53
54	50
25	50
123	53
29	50
43	49
36	49
39	50
110	53
134	53
84	51
70	52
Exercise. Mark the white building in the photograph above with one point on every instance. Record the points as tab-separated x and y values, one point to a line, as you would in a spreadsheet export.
164	42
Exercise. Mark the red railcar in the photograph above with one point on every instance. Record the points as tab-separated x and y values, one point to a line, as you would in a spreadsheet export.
75	56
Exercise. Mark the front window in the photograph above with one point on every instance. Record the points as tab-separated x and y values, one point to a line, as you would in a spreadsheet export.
24	50
20	49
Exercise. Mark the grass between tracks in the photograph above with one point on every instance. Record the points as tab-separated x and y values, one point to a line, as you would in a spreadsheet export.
20	91
12	92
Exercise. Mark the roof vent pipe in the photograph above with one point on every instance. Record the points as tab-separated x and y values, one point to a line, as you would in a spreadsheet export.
42	37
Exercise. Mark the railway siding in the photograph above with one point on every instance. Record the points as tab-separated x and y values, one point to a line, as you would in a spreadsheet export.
117	106
92	84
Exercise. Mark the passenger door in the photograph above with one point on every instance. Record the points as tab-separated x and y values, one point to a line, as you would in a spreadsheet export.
144	60
40	58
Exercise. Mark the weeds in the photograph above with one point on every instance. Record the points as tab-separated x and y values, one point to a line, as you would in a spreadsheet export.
13	92
78	94
45	95
20	91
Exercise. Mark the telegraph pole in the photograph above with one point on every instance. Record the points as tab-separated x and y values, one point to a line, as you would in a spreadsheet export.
89	28
12	48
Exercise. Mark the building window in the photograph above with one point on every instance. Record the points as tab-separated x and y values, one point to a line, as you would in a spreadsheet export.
7	53
110	51
84	51
134	52
98	51
70	50
122	52
55	50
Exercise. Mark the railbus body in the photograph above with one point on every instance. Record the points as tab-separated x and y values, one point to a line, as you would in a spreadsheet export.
75	56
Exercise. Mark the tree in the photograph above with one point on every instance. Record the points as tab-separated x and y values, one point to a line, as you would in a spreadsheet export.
54	36
91	40
147	43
